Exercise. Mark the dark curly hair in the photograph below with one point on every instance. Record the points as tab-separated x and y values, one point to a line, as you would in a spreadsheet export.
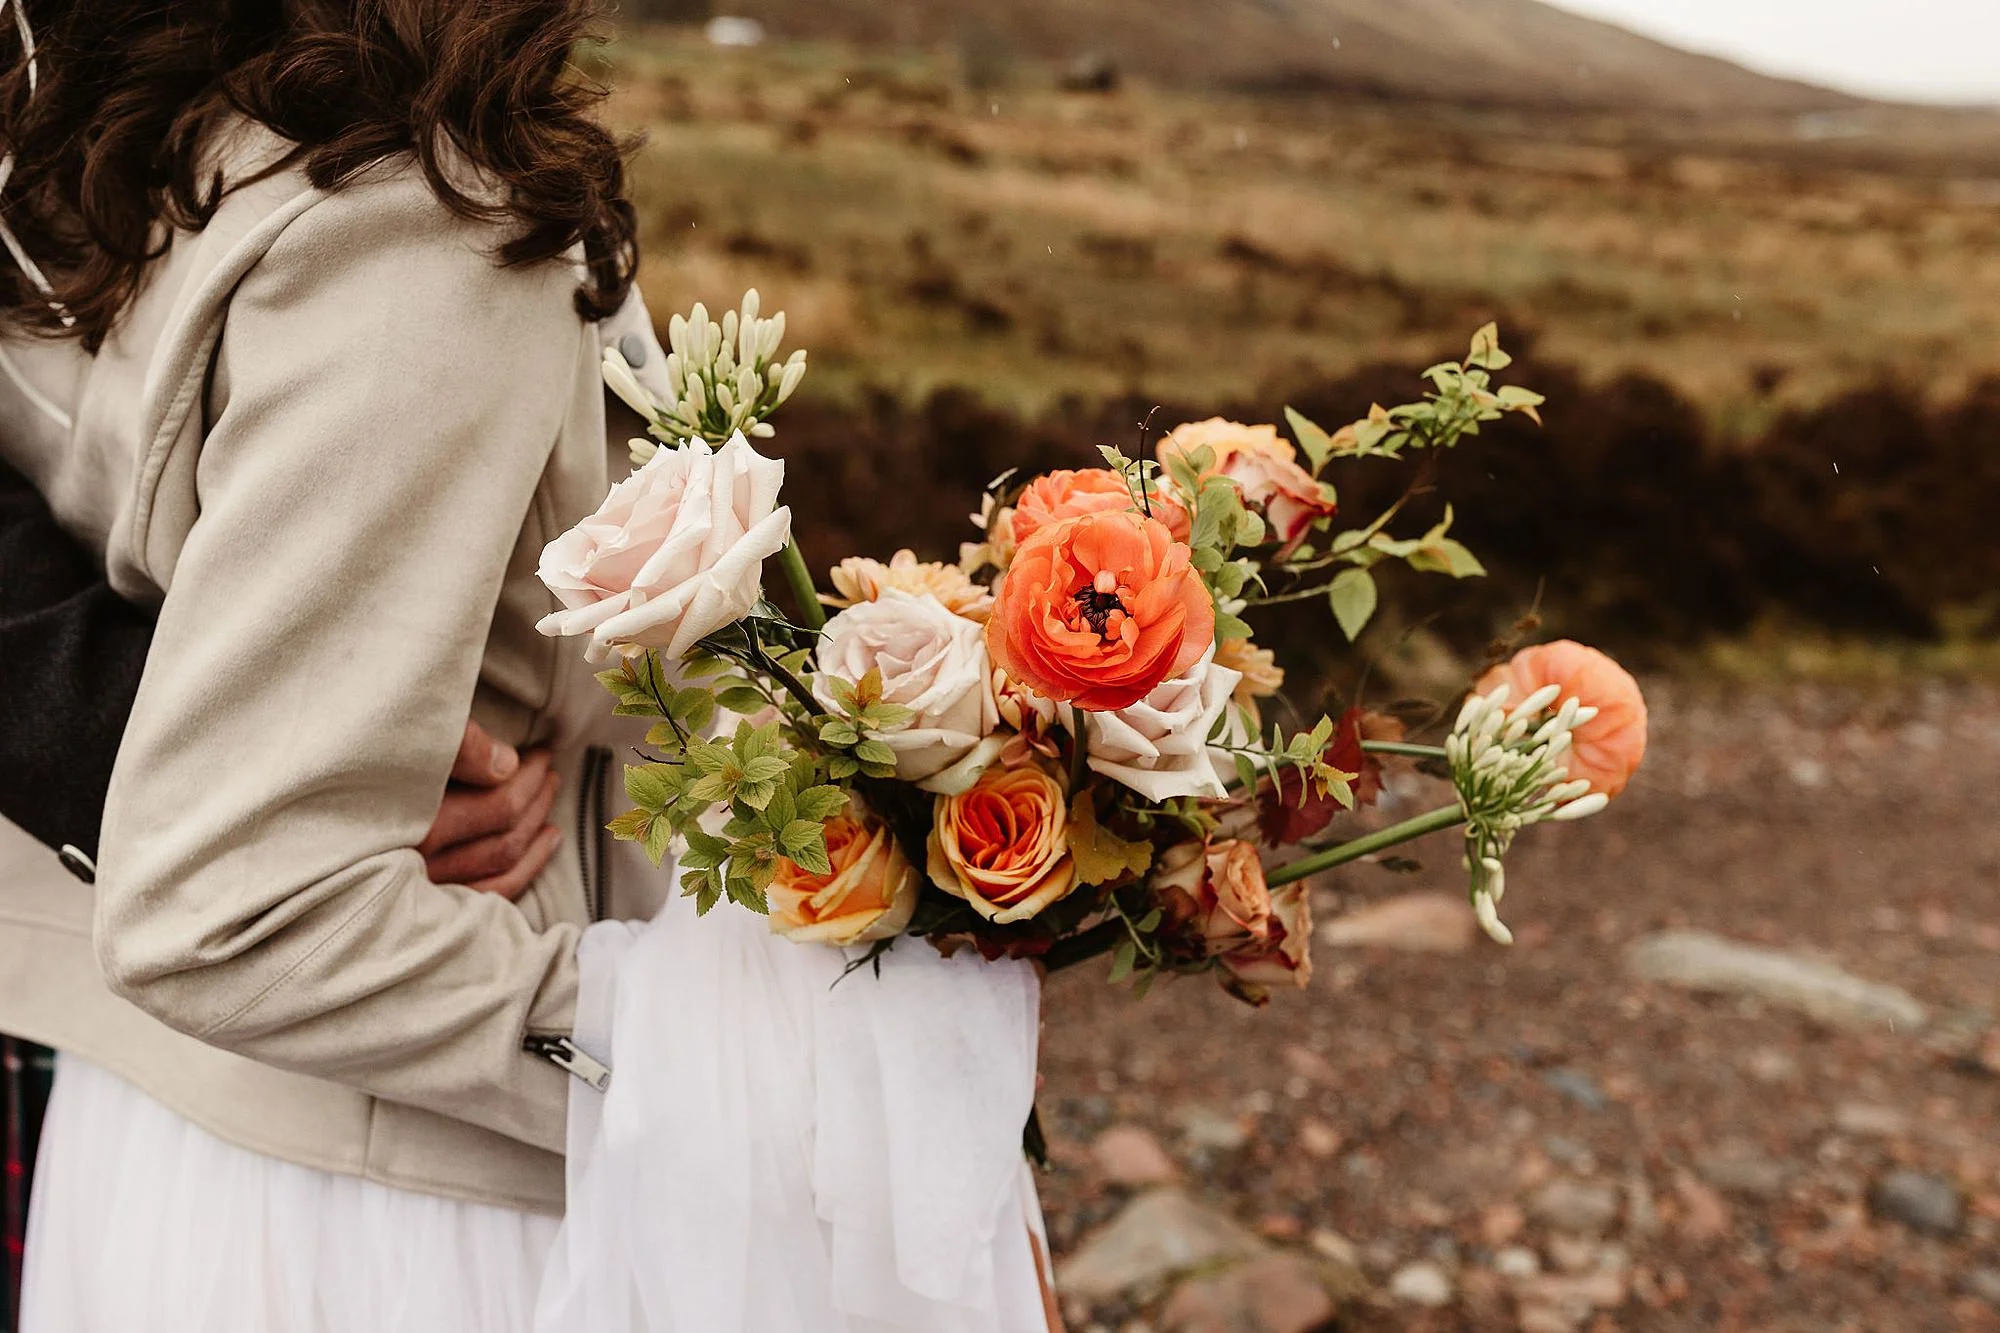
110	145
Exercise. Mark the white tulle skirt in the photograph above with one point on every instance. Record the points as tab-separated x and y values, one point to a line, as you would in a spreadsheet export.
143	1223
784	1150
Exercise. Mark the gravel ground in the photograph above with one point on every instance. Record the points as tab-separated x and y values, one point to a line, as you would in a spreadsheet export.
1421	1105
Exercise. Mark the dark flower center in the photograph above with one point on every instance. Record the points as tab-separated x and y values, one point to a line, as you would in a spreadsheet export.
1096	608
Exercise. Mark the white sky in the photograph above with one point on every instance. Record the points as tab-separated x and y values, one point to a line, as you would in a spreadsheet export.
1915	50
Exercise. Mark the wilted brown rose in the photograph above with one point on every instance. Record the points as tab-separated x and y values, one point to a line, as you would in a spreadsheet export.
1282	955
1214	892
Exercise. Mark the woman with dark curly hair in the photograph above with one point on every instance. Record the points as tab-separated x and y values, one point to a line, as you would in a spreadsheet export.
301	330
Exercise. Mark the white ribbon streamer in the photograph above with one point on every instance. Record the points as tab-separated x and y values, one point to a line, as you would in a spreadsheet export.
782	1150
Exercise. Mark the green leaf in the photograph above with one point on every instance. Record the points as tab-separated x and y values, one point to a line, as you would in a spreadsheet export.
765	768
821	803
1113	459
837	731
1228	627
1447	555
872	751
658	835
703	666
805	843
705	851
1486	353
632	826
1316	443
652	787
842	766
1122	959
1246	772
1353	596
742	699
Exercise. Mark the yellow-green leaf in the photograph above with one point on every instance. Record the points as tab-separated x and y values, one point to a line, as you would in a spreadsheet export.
1101	856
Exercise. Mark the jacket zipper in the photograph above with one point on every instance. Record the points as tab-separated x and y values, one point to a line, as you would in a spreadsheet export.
591	860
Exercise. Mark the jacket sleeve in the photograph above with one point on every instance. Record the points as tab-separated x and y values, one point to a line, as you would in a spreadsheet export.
70	655
389	398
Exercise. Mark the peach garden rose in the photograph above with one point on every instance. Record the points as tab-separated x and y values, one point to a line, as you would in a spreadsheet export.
869	894
1264	467
1607	750
1002	845
1215	892
1098	610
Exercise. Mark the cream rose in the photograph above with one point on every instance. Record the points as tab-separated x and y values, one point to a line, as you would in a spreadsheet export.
933	663
1159	746
869	894
673	554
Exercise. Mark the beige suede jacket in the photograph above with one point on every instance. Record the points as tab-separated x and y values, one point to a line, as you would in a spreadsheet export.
328	441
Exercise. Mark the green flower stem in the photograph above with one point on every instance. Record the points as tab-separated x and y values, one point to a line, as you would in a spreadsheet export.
1079	753
1437	820
811	614
1400	747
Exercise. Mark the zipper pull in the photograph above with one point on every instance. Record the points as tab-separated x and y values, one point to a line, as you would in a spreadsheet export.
569	1057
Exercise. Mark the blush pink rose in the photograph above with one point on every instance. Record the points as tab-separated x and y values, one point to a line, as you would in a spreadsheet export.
1263	466
674	553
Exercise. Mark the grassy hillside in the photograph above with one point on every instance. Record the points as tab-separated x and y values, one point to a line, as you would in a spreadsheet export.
1513	52
1192	246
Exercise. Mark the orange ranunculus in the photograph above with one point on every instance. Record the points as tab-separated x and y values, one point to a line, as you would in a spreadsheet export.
1214	894
1607	749
1264	468
1003	844
1282	954
869	895
1055	496
1097	610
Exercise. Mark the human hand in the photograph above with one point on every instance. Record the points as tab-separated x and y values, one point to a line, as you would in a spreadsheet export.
491	833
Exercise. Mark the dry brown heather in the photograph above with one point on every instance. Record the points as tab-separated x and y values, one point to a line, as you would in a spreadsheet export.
1195	245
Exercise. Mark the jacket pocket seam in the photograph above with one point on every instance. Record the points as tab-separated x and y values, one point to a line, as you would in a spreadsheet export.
283	978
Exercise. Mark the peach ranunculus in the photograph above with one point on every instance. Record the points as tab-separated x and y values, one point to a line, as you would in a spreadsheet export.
1003	845
1098	610
672	555
859	579
1055	496
869	894
1607	749
1260	676
1264	467
934	664
1214	894
997	551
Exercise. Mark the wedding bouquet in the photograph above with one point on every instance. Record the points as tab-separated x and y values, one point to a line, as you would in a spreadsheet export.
1057	746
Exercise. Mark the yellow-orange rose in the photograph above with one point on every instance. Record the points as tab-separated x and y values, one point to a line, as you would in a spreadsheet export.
1264	468
1003	844
869	894
1099	609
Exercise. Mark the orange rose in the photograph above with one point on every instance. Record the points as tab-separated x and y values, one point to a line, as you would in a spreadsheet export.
1215	893
1264	468
1097	610
1283	955
1003	845
1055	496
870	893
1607	749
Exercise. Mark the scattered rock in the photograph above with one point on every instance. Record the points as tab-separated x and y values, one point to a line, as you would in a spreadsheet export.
1642	1216
1414	923
1870	1122
1738	1171
1157	1236
1566	1302
1337	1248
1703	962
1206	1127
1919	1201
1500	1224
1421	1283
1985	1284
1517	1262
1577	1207
1703	1214
1578	1086
1279	1293
1568	1152
1768	1064
1130	1156
1319	1139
